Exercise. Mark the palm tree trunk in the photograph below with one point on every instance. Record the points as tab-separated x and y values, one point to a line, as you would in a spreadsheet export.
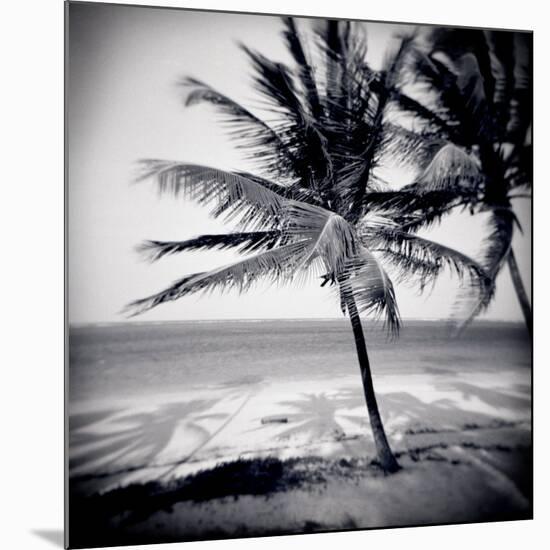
520	291
383	450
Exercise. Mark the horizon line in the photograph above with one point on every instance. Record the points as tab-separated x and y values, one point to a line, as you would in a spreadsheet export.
260	319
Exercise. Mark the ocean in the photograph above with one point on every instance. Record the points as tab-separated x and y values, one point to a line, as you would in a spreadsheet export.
137	359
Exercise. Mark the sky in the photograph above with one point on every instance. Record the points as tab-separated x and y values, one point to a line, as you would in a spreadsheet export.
124	105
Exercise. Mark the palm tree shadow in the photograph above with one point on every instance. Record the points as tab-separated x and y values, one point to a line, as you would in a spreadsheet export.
228	417
407	413
402	410
493	398
317	415
136	439
79	421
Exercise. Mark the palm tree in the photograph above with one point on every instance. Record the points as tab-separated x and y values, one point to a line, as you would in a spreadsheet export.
304	212
473	90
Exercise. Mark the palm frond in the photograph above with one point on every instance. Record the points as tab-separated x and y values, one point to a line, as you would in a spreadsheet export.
396	59
494	251
277	266
261	143
432	119
450	168
358	180
254	202
468	306
519	172
482	94
440	102
358	174
457	43
501	54
414	256
304	68
474	88
498	241
452	178
311	160
409	147
365	280
332	42
313	238
343	71
521	104
333	238
412	210
244	241
275	83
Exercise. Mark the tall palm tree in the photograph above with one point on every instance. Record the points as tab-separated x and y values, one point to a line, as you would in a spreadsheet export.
304	212
473	88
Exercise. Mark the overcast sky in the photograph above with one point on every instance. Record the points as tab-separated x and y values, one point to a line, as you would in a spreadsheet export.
124	105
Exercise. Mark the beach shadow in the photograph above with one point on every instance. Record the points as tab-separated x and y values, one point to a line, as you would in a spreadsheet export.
317	414
320	415
79	421
408	414
493	398
54	536
440	414
227	417
138	438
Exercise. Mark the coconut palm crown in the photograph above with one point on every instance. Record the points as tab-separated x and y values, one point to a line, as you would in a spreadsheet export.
304	212
475	92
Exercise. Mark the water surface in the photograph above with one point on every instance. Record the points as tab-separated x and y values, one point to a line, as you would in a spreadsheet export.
125	359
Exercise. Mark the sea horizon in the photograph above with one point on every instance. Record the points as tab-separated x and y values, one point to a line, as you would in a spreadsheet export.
83	324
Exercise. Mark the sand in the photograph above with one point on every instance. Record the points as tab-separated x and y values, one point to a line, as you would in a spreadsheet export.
463	441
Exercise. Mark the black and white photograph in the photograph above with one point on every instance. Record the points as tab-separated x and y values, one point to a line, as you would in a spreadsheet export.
299	275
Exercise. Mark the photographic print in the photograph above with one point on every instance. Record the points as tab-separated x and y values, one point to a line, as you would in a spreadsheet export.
299	275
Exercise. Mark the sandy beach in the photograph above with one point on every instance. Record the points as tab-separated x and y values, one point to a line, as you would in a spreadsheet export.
260	457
